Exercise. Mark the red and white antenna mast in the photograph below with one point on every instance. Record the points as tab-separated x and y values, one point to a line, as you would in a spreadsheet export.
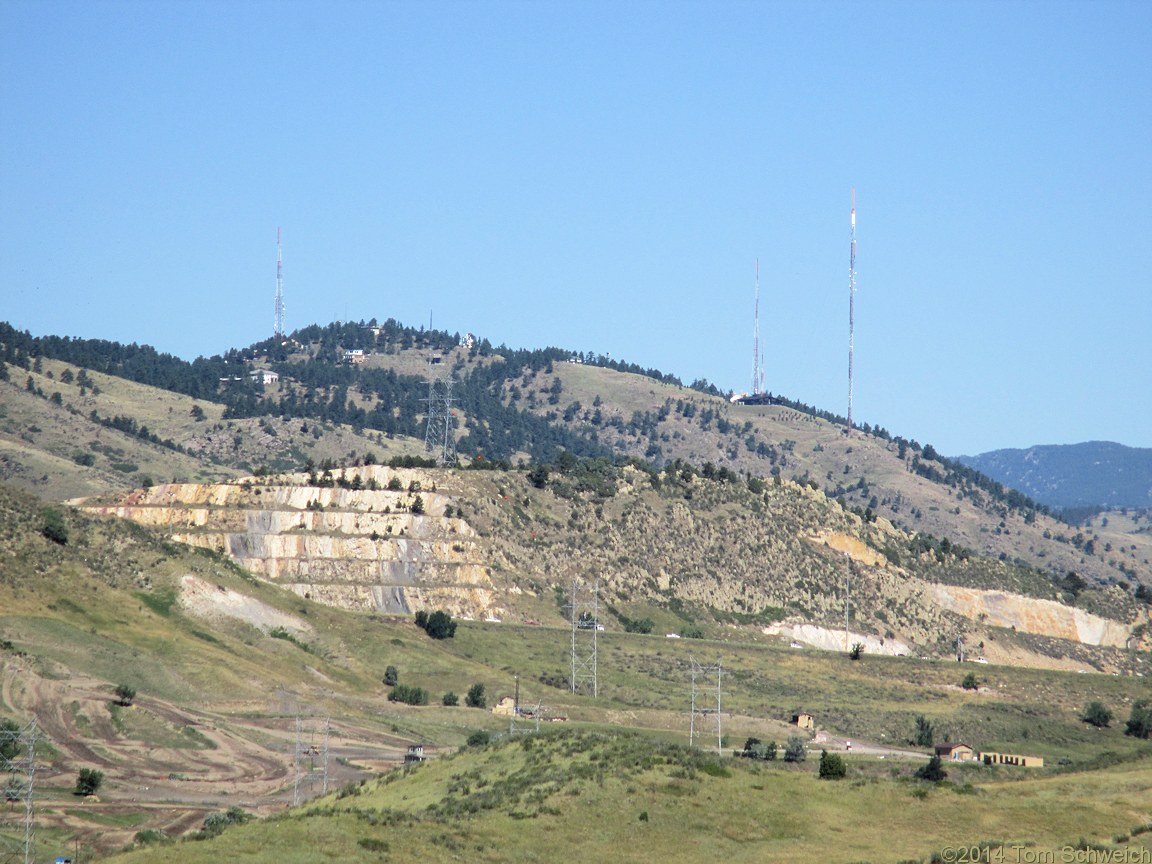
278	325
757	370
851	305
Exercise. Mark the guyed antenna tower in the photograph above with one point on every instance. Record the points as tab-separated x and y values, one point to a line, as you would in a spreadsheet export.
851	303
278	324
757	359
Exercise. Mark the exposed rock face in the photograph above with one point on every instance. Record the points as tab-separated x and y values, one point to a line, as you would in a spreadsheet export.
828	639
354	548
1029	615
210	601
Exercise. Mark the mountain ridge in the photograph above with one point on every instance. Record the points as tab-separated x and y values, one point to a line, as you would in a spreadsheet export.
1102	474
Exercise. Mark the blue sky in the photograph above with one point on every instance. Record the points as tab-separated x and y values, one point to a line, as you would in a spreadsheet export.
602	176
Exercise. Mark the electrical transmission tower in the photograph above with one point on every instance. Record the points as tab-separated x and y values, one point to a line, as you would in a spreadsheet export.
18	774
438	437
304	777
278	325
698	714
851	305
757	357
585	616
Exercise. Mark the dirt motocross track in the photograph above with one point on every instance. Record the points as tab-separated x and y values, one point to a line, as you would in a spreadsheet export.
166	768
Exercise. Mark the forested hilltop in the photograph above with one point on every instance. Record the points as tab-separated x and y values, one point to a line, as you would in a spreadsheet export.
322	386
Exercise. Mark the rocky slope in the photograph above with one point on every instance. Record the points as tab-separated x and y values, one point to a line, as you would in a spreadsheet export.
489	544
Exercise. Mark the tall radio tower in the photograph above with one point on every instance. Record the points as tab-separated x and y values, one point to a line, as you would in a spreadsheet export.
851	306
278	326
757	364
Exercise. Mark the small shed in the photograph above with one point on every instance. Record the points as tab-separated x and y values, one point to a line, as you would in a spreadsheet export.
956	751
415	754
802	720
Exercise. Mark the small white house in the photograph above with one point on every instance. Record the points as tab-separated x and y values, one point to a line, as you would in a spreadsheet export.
264	376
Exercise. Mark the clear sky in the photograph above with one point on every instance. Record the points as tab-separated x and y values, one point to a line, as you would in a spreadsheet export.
602	176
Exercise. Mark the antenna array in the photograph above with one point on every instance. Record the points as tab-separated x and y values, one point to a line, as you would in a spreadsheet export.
851	304
278	324
757	358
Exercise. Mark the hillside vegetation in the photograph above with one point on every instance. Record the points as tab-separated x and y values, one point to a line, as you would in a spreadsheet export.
624	797
528	407
310	529
223	664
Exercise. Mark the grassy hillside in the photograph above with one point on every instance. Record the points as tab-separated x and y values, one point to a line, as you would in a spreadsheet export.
88	440
223	665
624	797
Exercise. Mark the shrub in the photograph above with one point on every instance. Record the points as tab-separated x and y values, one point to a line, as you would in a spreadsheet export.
925	732
638	625
125	694
391	676
53	527
970	682
408	695
149	836
933	771
475	697
9	739
832	767
479	738
1140	721
1096	714
89	781
451	699
215	823
794	750
857	651
438	625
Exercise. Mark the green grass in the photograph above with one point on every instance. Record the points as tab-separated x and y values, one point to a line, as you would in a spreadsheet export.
624	797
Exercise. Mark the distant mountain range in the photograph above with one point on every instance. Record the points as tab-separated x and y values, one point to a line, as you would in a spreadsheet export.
1093	474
